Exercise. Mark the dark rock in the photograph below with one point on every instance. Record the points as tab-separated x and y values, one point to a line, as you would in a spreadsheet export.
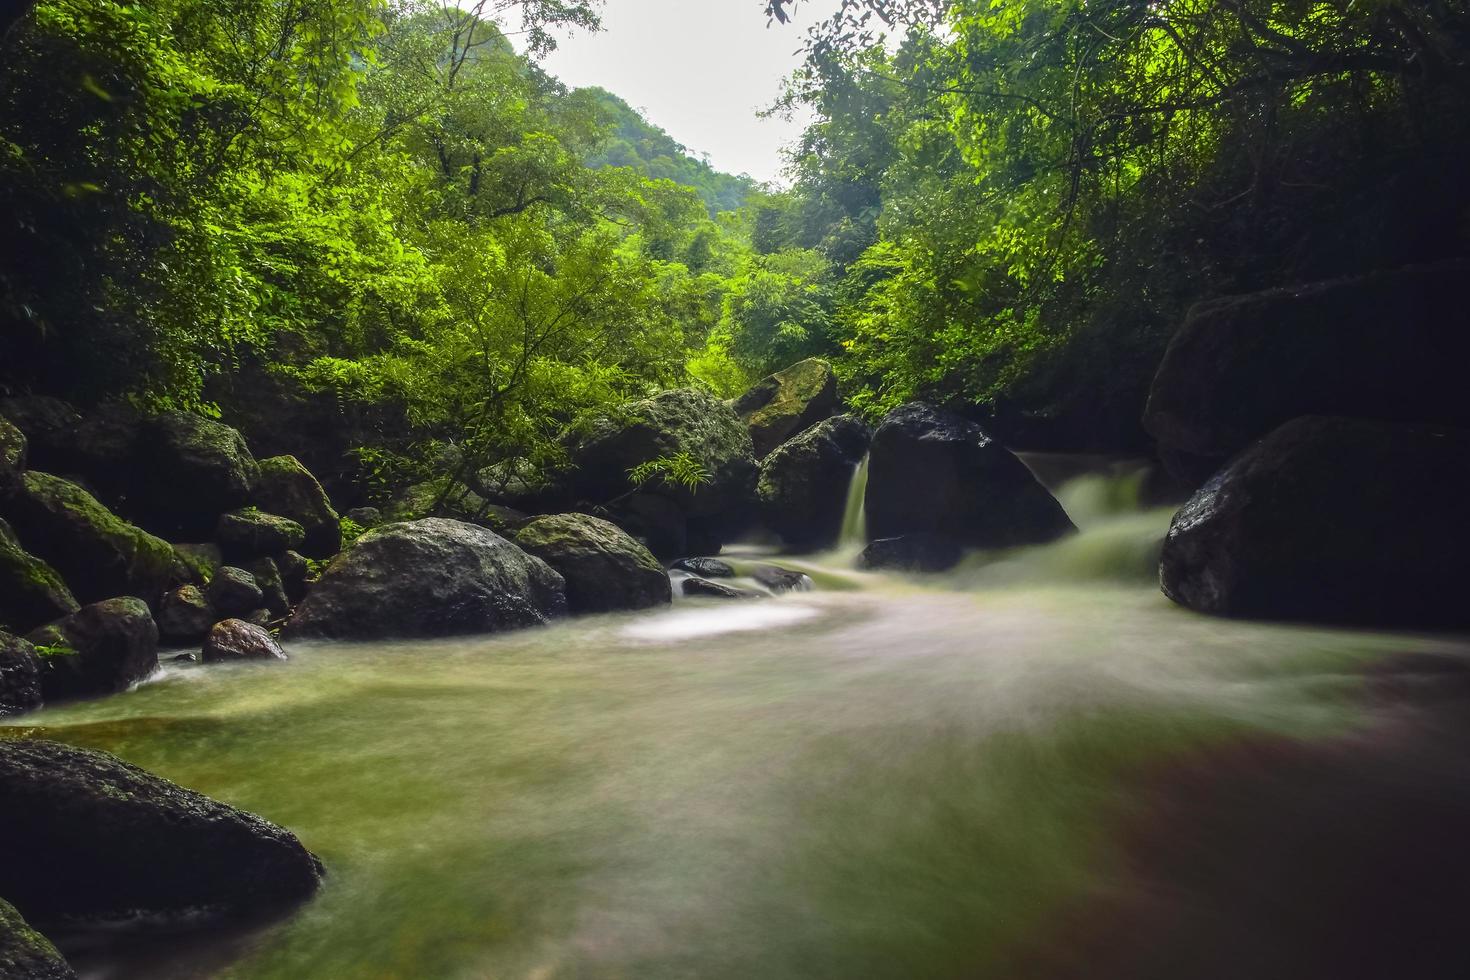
287	488
251	533
31	592
657	521
788	402
912	553
12	456
1330	519
20	677
933	472
705	567
1387	346
235	639
185	615
604	568
260	617
523	486
190	470
25	954
460	504
184	658
294	571
366	518
48	424
779	579
804	483
233	591
98	554
99	649
687	422
106	840
202	560
715	590
433	577
272	586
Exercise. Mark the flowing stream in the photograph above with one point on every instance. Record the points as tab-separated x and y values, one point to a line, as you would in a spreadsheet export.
1034	766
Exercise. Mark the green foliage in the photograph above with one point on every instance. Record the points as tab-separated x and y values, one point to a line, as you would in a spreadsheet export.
351	531
680	470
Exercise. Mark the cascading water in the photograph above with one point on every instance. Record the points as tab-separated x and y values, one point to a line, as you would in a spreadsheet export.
1032	766
854	533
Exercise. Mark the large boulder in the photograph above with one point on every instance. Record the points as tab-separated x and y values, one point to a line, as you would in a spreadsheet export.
20	677
188	471
1330	519
1389	345
235	639
106	840
804	484
252	533
683	422
97	553
933	472
434	577
287	488
788	402
25	954
31	591
604	568
99	649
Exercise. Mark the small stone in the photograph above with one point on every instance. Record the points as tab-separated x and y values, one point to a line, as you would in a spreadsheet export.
236	639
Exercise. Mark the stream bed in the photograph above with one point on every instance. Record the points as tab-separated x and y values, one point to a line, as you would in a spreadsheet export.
1032	766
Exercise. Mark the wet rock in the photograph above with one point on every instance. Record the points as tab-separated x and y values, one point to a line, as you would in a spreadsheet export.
184	658
605	569
434	577
185	615
106	840
25	954
715	590
99	649
31	592
912	553
294	571
235	639
202	560
287	488
250	533
779	579
787	403
1330	519
97	553
933	472
804	483
272	587
20	678
705	567
233	591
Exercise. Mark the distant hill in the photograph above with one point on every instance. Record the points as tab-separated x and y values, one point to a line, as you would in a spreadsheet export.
635	142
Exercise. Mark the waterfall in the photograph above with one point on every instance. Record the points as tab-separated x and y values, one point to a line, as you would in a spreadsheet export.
854	533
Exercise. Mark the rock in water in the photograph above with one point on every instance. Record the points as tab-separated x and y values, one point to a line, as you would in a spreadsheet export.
25	954
705	567
605	568
912	553
20	677
715	590
1242	365
779	579
933	472
1330	519
287	488
107	840
803	484
434	577
235	639
99	649
98	553
31	592
185	615
787	403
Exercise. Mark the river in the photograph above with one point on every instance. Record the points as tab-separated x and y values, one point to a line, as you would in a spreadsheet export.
1032	766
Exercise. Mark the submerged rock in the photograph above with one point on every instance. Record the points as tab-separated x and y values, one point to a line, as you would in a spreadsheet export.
933	472
185	615
912	553
98	553
705	567
250	533
605	569
715	590
803	484
99	649
31	591
106	840
233	591
779	579
287	488
235	639
1331	519
434	577
20	677
25	954
788	402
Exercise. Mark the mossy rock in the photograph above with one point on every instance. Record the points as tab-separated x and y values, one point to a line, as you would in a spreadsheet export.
97	553
250	533
787	403
604	567
288	488
99	649
25	954
20	677
202	560
31	591
189	470
804	484
185	615
12	456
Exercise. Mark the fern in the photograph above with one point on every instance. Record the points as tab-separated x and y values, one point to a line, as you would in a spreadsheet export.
680	469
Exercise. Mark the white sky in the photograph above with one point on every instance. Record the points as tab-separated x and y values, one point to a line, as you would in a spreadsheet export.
698	68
